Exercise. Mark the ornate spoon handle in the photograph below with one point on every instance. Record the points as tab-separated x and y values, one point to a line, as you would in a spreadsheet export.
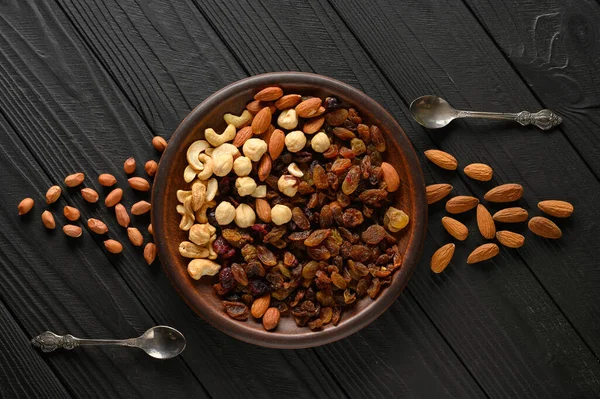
544	119
48	341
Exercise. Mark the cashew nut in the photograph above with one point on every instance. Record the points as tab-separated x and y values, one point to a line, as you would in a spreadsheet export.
200	234
182	195
211	189
208	167
186	222
239	121
201	213
211	252
225	148
209	151
194	151
217	139
198	195
190	173
202	267
190	250
180	209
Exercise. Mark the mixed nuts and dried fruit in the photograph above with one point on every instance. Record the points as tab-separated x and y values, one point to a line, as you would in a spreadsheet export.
290	206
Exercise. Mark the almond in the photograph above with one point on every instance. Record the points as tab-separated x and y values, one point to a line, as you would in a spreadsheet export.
48	220
390	177
53	194
151	167
135	236
90	195
107	180
483	252
510	239
264	167
261	121
113	198
308	108
511	215
544	227
313	125
461	203
339	116
266	136
140	207
72	231
74	180
319	112
436	192
97	226
71	213
276	143
122	215
25	205
556	208
269	94
442	159
442	257
255	106
486	225
150	229
243	135
159	143
150	253
139	183
271	319
504	193
260	306
288	101
129	165
113	246
263	210
479	171
455	228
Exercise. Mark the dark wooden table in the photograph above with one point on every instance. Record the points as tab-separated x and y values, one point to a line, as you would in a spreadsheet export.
85	84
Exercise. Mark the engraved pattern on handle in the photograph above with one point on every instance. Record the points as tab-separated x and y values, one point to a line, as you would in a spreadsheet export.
544	119
48	341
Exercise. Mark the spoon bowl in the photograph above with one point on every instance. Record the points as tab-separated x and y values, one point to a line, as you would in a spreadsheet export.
162	342
432	112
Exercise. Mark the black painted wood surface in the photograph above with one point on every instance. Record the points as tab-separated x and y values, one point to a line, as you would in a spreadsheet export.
86	84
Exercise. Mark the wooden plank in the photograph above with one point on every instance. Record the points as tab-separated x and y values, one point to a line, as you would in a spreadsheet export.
451	379
510	306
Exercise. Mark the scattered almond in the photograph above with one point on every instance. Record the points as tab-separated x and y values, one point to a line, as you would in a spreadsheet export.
264	167
269	94
486	225
129	166
139	183
442	257
113	246
510	239
90	195
140	207
504	193
25	205
72	231
313	125
276	143
260	306
261	121
53	194
97	226
151	167
135	236
263	210
556	208
455	228
255	106
308	108
150	229
150	253
271	319
243	135
479	171
461	203
319	112
483	252
107	180
159	143
113	198
288	101
544	227
74	180
122	215
511	215
442	159
71	213
436	192
48	220
390	177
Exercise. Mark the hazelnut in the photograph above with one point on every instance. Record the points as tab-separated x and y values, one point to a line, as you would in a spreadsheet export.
222	164
242	166
295	141
260	192
288	119
200	234
254	149
225	213
320	142
281	214
294	170
245	186
288	185
244	216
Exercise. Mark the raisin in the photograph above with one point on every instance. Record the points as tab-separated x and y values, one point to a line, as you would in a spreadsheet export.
377	138
236	310
357	269
337	212
301	321
254	269
332	246
367	212
300	219
353	116
341	165
299	296
331	152
225	185
315	324
360	253
352	217
336	316
260	228
326	314
317	237
349	297
236	238
373	197
239	274
348	124
331	103
299	236
361	286
289	259
212	217
365	167
333	181
319	253
343	133
303	156
275	234
351	181
266	257
226	279
383	259
338	280
305	188
376	175
271	181
347	153
249	252
322	281
364	133
374	288
320	177
326	217
325	297
312	202
358	146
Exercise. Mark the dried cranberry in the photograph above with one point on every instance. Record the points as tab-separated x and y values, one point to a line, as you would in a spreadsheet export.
225	185
226	279
260	228
223	248
258	287
212	219
331	103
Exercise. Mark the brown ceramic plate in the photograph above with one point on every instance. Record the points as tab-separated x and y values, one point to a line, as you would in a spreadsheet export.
199	295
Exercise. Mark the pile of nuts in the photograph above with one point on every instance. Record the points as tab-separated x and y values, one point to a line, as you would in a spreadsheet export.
113	199
504	193
295	219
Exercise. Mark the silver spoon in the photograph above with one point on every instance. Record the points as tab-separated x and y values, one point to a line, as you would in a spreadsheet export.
161	342
434	112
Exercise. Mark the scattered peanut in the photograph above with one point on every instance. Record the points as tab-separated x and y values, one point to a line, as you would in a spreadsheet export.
74	180
129	165
97	226
71	213
135	236
72	231
53	194
90	195
25	206
113	246
48	220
